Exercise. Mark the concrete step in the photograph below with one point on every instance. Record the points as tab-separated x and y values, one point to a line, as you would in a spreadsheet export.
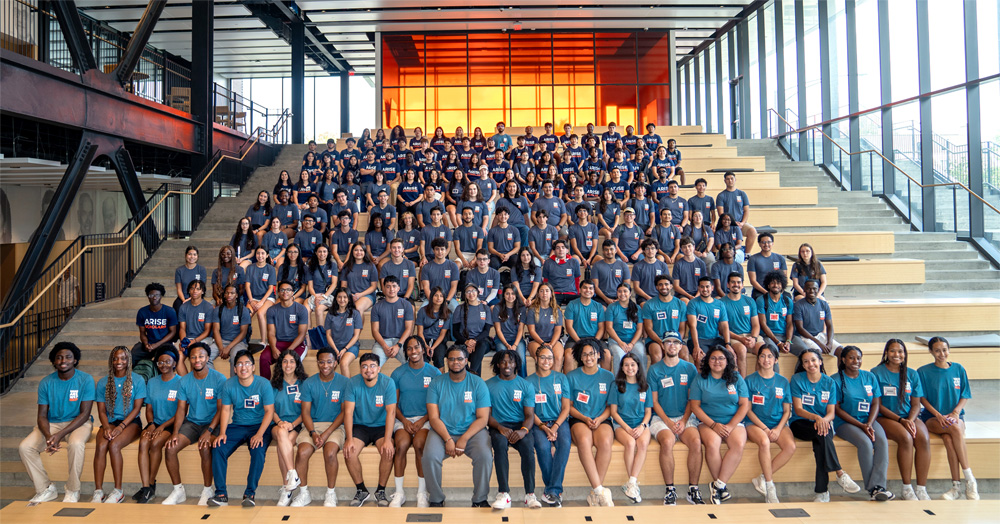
936	255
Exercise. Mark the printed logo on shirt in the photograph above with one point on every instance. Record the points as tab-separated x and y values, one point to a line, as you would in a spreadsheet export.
779	393
602	387
552	319
674	314
406	273
868	390
209	393
908	390
517	395
715	313
447	273
349	321
697	272
379	401
593	316
74	395
468	397
658	271
441	234
427	382
172	395
364	273
776	265
335	396
475	234
731	389
757	400
739	199
510	236
288	214
201	317
784	311
956	382
618	272
281	241
824	396
236	320
400	313
482	315
822	315
746	310
292	318
569	272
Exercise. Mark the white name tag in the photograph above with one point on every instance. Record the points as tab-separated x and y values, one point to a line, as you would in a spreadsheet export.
863	407
889	391
667	382
808	400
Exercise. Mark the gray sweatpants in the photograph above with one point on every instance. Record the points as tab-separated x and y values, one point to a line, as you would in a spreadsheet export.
872	456
478	449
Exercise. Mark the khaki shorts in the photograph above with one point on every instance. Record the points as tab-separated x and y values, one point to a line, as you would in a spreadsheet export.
337	437
656	424
397	425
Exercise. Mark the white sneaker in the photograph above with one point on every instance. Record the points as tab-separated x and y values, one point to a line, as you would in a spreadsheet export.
206	493
772	495
49	493
849	485
284	497
422	500
606	498
971	489
822	497
302	499
71	497
398	499
176	496
330	501
921	492
952	494
292	481
98	496
502	501
759	484
115	497
531	501
908	493
593	499
631	490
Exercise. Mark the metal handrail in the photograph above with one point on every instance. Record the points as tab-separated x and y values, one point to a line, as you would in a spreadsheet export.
816	127
260	131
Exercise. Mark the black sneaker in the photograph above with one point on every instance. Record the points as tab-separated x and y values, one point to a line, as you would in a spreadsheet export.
360	497
483	504
716	496
881	494
146	495
694	496
248	501
139	494
436	504
218	500
380	499
670	498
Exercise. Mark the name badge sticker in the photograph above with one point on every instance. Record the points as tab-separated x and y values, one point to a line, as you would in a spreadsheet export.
583	397
863	407
757	400
889	391
541	398
808	400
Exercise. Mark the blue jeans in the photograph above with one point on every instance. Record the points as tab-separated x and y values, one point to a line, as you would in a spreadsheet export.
553	467
236	436
523	229
521	349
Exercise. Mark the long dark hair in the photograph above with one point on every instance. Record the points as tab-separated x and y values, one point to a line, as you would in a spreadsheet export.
632	311
621	380
314	260
842	367
110	391
730	375
239	303
443	313
278	376
349	310
267	205
283	268
249	240
464	306
901	389
498	359
810	270
504	311
798	363
349	265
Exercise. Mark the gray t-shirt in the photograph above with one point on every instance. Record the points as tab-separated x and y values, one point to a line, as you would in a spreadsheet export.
392	317
703	204
468	237
761	265
429	233
322	277
440	275
286	320
609	276
402	271
628	238
553	206
185	276
813	316
686	274
543	239
585	236
341	242
732	203
197	319
341	326
261	279
432	326
645	274
230	321
488	283
509	326
503	238
360	277
677	207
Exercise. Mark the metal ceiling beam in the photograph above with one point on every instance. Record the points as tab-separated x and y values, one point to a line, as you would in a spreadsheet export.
277	16
75	35
137	43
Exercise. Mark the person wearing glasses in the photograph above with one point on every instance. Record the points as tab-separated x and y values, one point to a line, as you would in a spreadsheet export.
369	414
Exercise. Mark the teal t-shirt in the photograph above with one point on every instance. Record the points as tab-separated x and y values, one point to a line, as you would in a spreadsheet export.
162	397
768	397
288	401
549	392
720	401
943	388
665	316
586	319
776	314
671	385
708	317
326	398
815	397
370	402
632	404
202	395
509	398
589	393
855	395
412	386
63	397
119	410
248	402
889	382
618	316
741	313
457	402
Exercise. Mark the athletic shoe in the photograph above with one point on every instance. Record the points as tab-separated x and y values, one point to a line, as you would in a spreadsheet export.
436	504
670	499
49	493
724	494
139	493
423	501
880	494
694	496
481	504
632	492
716	496
759	484
921	492
360	497
302	499
552	500
380	499
291	481
398	499
330	500
146	494
606	499
952	494
218	501
908	493
284	497
206	493
971	489
772	495
849	485
593	499
176	496
98	496
72	497
531	501
822	497
502	501
248	501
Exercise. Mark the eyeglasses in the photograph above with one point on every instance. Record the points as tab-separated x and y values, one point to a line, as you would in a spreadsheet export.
244	364
545	357
370	366
717	359
589	354
285	290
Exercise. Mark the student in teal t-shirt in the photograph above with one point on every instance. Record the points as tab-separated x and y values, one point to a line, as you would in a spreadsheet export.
550	430
899	416
814	399
767	420
719	399
411	426
161	411
369	415
947	388
286	380
119	396
511	418
322	427
590	425
664	314
631	408
857	408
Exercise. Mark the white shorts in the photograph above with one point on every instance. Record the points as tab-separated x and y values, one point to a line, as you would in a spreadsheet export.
397	425
656	424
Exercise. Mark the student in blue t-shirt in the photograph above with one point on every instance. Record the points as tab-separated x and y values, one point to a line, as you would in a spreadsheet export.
511	417
857	408
947	391
286	380
161	411
590	422
899	416
720	400
767	421
65	399
814	400
631	408
369	415
248	401
550	431
119	396
411	425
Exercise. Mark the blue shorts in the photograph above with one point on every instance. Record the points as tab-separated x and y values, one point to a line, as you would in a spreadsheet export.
354	349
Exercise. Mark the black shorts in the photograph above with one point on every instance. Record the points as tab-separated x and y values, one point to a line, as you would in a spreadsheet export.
193	431
368	434
116	423
573	421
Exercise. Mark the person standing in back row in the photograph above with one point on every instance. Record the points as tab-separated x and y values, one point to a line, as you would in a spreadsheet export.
735	203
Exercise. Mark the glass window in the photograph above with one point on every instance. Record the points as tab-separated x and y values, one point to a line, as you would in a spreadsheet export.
488	105
698	94
616	104
903	49
772	67
616	58
573	58
489	59
987	20
446	60
989	94
531	59
869	84
653	54
814	106
530	106
447	107
725	103
711	95
574	105
790	65
754	77
655	103
947	42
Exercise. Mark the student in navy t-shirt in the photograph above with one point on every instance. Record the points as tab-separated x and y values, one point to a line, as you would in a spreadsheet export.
157	324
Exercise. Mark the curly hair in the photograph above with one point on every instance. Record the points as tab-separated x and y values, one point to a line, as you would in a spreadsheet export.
110	391
498	359
730	375
278	375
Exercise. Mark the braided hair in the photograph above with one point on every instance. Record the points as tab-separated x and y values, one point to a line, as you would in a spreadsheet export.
901	390
110	391
842	367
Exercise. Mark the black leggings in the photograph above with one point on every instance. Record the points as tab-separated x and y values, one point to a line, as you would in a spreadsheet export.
823	449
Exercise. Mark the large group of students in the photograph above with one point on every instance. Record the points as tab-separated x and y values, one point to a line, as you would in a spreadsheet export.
574	251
